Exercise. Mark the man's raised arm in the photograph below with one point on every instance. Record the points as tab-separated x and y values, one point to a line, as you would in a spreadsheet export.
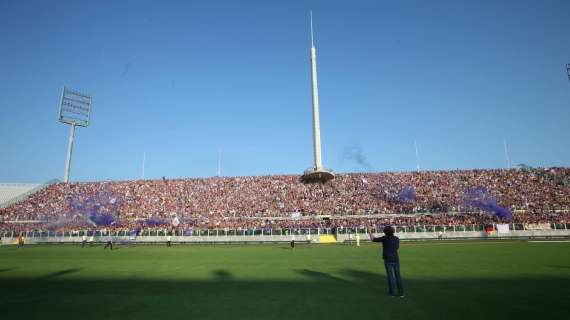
373	239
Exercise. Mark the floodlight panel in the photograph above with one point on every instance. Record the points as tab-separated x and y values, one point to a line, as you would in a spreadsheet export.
75	108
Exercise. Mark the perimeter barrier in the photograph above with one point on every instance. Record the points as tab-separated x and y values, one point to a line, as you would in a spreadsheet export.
308	235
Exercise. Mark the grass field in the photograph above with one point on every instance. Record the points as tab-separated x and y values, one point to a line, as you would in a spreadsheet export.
443	280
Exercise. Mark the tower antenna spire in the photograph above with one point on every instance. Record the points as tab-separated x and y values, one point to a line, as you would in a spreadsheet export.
507	158
317	173
417	156
312	41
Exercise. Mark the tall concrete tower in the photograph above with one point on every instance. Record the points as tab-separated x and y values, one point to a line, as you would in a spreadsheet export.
317	173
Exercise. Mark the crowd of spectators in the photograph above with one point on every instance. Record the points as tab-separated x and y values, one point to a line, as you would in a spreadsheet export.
358	199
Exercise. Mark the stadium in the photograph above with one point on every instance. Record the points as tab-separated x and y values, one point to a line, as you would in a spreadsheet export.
472	243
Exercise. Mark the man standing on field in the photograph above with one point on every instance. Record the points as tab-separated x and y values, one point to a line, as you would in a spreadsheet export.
390	245
109	243
169	239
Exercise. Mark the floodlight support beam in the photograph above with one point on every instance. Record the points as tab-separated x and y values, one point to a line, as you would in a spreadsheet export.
69	152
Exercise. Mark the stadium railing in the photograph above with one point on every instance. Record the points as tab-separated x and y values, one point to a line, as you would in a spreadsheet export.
433	230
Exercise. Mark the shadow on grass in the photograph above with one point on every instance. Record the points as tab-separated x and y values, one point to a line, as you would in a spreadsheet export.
7	269
559	267
222	275
317	275
347	294
59	273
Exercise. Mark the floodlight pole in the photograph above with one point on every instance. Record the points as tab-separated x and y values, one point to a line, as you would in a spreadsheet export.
74	110
69	151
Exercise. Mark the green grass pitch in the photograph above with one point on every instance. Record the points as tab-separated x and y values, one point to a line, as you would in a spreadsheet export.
443	280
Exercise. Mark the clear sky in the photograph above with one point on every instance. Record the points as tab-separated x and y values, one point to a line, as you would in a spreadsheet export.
181	80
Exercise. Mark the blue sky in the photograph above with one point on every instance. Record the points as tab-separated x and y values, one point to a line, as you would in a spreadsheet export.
180	80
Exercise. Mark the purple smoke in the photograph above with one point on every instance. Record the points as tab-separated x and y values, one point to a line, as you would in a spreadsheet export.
154	222
96	210
407	195
355	153
481	199
102	219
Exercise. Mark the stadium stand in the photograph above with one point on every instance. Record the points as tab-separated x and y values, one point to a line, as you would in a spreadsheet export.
431	197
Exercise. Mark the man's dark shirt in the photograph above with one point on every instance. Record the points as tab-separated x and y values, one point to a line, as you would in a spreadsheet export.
390	245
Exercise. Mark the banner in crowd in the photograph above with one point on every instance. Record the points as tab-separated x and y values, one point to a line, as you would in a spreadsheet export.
296	215
502	228
538	226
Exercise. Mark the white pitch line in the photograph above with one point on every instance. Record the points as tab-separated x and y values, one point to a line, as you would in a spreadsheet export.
451	242
547	241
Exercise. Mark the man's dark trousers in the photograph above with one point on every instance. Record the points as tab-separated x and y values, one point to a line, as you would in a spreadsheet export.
393	271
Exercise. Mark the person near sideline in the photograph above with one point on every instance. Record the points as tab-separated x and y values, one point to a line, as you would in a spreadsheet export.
390	246
83	241
169	240
292	243
109	243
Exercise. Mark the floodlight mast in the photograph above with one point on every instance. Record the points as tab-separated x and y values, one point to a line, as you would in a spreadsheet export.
75	110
